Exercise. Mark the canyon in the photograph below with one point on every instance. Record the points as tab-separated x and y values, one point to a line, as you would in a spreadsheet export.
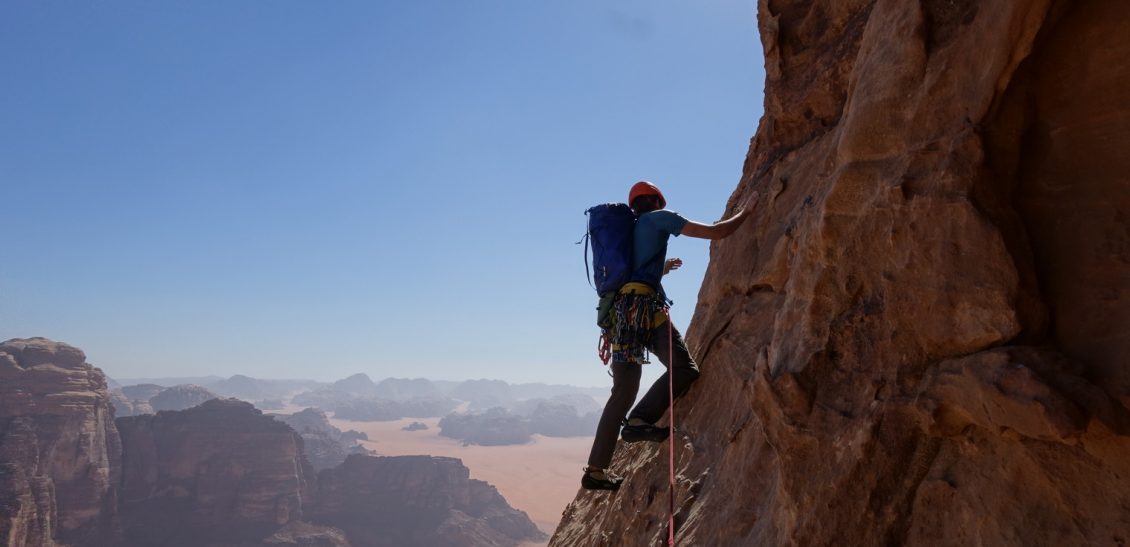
220	473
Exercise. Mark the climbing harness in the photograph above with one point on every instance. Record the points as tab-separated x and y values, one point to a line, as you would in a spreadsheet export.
634	314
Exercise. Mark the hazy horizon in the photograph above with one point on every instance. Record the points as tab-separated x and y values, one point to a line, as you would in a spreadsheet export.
332	380
306	190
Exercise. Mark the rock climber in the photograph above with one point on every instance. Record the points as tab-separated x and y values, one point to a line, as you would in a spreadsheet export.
654	225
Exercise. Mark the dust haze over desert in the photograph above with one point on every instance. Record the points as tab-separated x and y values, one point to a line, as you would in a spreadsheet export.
297	274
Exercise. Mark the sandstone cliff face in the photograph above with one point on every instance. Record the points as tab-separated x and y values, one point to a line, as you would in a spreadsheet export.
920	339
221	471
59	450
416	500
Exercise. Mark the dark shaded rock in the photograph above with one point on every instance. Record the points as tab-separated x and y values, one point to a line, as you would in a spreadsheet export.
308	535
416	500
218	472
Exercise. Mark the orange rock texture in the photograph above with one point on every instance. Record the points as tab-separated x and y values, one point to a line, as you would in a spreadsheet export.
921	338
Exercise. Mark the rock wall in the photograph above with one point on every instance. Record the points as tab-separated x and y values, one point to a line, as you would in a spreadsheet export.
416	500
221	471
59	450
920	339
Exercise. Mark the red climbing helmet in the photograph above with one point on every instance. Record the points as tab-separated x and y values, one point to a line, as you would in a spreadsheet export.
645	188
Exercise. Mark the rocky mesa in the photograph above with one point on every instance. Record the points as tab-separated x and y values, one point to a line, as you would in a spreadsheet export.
218	471
921	338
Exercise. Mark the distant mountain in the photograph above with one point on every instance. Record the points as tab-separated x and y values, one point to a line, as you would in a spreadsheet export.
324	398
239	386
484	394
383	410
499	426
358	385
255	389
580	403
562	420
539	390
181	397
445	386
325	446
494	427
134	400
402	388
172	381
142	392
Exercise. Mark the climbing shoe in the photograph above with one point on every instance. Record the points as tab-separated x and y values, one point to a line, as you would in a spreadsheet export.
643	432
597	479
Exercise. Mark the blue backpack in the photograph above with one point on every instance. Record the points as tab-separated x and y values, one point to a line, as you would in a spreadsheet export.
610	232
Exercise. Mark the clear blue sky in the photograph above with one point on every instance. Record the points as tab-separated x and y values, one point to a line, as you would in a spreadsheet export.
309	189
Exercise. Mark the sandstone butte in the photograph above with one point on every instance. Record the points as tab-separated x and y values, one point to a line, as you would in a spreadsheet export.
219	474
921	337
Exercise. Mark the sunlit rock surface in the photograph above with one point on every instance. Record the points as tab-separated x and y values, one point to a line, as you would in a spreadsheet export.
920	338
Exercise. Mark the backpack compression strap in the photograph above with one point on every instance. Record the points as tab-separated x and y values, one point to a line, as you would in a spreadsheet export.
588	275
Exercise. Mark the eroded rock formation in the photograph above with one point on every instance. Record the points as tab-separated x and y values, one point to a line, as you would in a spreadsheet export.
218	471
416	500
921	338
180	397
59	450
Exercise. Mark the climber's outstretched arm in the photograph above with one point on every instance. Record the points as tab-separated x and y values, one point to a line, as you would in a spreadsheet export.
722	228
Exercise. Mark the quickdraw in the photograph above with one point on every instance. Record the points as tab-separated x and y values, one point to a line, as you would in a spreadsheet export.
633	317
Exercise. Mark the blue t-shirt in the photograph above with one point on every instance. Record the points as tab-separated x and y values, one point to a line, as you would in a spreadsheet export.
650	244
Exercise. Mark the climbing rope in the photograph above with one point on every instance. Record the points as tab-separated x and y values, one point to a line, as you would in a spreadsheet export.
671	427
